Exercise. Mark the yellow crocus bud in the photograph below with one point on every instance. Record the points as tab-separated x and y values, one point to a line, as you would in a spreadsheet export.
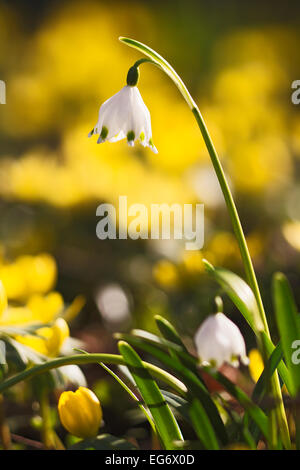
3	298
80	412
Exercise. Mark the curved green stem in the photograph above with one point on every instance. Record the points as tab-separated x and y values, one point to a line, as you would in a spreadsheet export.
237	226
88	359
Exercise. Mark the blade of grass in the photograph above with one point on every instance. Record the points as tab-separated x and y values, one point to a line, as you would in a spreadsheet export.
163	417
132	395
169	333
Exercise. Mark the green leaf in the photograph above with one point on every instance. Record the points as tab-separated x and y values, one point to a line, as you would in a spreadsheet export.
163	417
192	381
175	350
261	386
272	364
169	333
254	411
103	442
81	359
178	403
240	293
283	371
288	326
131	394
202	425
194	413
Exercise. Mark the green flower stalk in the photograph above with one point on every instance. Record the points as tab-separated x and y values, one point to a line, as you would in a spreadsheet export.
262	325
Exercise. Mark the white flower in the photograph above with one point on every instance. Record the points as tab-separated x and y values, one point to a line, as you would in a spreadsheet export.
125	115
219	340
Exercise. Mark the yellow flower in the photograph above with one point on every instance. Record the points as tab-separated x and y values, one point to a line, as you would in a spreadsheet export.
192	262
80	412
3	298
291	232
49	339
40	272
28	275
39	309
256	365
165	273
46	308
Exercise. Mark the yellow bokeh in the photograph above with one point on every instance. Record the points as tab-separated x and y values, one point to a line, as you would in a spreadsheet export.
246	119
165	273
256	365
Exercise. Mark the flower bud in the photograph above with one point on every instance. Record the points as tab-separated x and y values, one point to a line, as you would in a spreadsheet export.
80	412
133	76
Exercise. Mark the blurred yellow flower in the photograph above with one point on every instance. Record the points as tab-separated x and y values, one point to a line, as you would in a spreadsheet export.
291	232
3	298
39	309
49	339
46	308
80	412
193	262
256	365
28	275
224	247
40	272
165	273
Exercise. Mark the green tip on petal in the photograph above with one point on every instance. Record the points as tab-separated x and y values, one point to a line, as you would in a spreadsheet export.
104	132
130	136
142	136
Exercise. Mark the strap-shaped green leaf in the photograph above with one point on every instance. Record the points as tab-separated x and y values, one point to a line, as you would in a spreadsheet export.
169	333
288	326
165	422
202	425
240	293
254	411
131	394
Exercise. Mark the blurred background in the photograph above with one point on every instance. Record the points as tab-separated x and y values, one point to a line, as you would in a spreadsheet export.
60	60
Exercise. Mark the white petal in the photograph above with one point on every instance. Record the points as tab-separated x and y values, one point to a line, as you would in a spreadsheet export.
125	112
219	340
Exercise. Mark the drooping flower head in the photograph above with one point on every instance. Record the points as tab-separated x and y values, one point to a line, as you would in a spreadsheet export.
219	340
125	115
